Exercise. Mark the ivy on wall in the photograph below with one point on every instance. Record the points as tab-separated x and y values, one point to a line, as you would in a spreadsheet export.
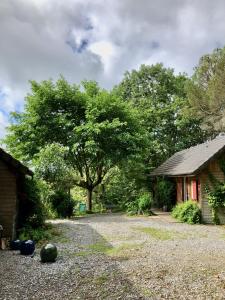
216	196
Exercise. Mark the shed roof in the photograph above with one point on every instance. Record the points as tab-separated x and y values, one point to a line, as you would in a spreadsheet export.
191	160
14	163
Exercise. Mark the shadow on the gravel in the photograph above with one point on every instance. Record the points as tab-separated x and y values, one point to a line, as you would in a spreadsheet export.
107	218
84	271
101	276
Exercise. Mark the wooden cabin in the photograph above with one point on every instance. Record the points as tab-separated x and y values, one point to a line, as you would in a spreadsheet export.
12	175
191	168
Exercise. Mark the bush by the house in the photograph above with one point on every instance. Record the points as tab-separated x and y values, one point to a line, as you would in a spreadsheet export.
216	200
31	210
188	212
40	234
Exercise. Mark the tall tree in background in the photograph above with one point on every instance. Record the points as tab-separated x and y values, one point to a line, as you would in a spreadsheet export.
206	90
92	129
160	96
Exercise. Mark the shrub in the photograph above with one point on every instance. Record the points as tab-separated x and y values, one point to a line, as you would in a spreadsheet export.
63	204
187	212
216	200
31	210
37	234
132	208
144	202
141	205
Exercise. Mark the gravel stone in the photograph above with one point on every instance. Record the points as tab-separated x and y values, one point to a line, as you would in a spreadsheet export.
109	256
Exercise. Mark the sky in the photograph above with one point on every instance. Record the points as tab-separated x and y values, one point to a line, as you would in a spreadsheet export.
99	40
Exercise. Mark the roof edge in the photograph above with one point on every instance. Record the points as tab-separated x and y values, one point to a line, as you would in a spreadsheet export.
197	170
16	164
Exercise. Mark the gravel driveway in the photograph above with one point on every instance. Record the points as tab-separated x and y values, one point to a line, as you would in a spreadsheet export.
117	257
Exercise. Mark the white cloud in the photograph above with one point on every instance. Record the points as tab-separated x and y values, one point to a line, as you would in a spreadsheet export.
100	40
106	51
3	124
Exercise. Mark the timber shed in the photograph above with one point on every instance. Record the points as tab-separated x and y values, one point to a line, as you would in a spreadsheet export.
12	176
191	169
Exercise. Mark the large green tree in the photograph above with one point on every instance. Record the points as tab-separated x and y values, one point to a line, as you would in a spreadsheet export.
160	96
206	90
96	130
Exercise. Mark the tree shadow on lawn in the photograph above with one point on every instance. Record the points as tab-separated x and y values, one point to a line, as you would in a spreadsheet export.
98	274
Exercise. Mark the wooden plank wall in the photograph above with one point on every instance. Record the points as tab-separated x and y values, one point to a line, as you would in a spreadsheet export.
8	200
214	168
179	190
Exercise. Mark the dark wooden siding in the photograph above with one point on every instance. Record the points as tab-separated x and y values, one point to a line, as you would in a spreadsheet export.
179	190
8	200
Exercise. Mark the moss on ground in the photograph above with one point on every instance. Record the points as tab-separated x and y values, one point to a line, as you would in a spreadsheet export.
161	234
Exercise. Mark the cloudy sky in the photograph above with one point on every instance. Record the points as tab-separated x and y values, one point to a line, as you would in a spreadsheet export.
99	39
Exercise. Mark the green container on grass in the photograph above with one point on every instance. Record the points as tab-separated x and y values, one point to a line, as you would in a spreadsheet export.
82	207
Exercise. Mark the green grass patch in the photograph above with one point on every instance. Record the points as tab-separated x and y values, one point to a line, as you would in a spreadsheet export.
147	292
99	247
160	234
123	249
122	252
101	279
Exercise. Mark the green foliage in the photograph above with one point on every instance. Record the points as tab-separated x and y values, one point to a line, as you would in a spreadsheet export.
161	99
165	193
216	193
206	91
145	202
117	190
158	233
51	165
132	208
216	200
31	210
187	212
141	205
36	235
87	130
79	135
63	204
39	235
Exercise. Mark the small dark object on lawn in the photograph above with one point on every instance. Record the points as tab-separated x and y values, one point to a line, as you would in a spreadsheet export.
27	247
48	253
15	245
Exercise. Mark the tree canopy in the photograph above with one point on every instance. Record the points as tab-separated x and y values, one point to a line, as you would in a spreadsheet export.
161	98
206	90
85	136
94	130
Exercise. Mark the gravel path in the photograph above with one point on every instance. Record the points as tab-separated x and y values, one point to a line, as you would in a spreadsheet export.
117	257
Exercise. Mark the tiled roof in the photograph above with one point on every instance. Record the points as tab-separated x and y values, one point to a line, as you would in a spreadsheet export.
189	161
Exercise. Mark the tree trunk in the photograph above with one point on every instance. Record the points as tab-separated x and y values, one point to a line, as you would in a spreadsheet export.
89	199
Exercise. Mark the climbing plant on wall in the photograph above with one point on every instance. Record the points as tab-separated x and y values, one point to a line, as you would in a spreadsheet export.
216	195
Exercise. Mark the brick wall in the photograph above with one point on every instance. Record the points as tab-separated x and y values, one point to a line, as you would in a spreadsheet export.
8	200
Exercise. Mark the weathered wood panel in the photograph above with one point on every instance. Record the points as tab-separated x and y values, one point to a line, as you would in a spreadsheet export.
215	170
179	190
8	200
